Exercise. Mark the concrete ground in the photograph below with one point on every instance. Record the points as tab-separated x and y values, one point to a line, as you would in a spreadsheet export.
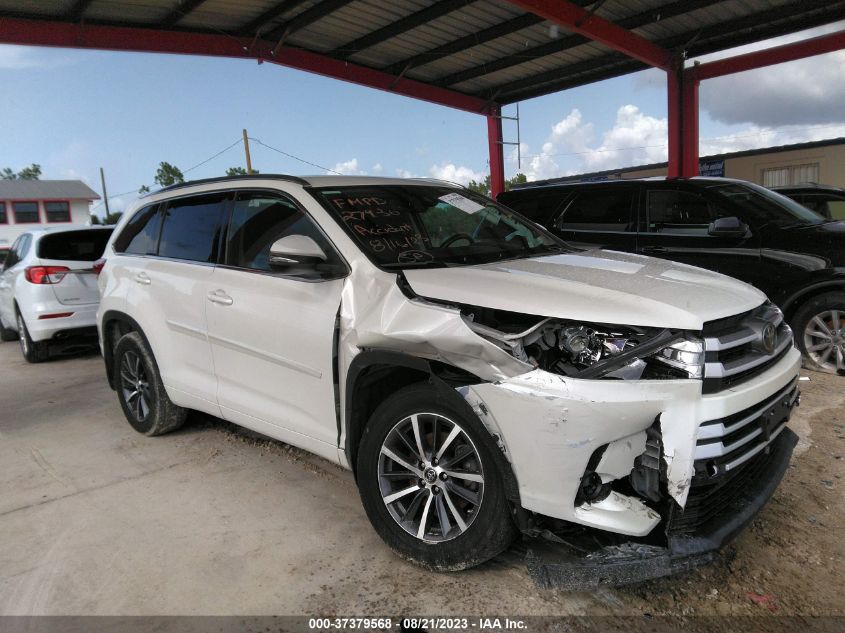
97	519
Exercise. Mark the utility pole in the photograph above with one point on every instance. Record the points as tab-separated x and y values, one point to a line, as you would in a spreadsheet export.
105	195
246	150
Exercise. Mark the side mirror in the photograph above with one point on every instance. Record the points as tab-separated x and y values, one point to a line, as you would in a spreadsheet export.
294	250
727	227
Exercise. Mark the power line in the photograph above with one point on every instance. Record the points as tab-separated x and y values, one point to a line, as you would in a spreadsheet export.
301	160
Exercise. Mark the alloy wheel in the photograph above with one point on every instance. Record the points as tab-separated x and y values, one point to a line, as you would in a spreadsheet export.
824	339
135	385
430	477
22	336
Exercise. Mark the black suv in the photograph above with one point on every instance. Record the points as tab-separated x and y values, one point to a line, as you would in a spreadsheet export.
827	200
794	255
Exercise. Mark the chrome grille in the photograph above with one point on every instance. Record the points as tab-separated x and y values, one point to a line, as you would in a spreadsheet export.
735	348
725	444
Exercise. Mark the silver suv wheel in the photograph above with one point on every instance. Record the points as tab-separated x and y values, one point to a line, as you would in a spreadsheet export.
430	477
824	339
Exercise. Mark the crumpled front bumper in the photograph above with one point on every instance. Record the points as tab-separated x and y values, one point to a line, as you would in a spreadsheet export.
550	427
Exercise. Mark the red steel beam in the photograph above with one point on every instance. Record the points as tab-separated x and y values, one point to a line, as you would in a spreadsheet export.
689	125
497	151
118	38
769	56
674	107
577	20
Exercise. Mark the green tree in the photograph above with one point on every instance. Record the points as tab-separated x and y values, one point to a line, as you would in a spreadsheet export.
112	218
484	187
144	189
95	219
168	174
33	172
238	171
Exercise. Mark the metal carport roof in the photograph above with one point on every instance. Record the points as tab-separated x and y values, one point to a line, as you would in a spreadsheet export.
476	55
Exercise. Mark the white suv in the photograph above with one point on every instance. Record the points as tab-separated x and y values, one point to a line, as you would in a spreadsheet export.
48	290
478	375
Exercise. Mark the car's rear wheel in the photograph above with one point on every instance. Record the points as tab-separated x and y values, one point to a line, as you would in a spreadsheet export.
33	352
429	482
6	333
141	393
820	332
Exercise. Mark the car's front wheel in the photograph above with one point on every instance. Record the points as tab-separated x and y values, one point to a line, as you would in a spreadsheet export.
140	390
430	484
820	332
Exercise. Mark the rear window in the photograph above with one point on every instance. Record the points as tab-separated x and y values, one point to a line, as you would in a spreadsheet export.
80	246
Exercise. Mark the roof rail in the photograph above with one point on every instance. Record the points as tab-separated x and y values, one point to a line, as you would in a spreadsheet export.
206	181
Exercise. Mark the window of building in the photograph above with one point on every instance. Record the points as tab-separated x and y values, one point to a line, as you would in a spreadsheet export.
791	175
191	228
3	219
57	211
26	212
140	235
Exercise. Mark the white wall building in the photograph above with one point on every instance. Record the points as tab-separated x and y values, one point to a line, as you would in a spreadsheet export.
25	204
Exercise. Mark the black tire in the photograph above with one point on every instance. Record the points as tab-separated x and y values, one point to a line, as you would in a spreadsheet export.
487	528
32	352
828	307
141	393
7	334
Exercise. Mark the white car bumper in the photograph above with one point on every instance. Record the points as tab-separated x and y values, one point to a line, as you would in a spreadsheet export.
43	325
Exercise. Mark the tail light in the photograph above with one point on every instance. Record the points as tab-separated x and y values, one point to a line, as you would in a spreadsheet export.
45	274
98	266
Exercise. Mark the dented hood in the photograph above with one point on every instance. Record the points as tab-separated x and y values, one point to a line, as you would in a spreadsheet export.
597	286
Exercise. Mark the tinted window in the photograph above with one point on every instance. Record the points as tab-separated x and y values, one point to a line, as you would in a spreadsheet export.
57	211
191	228
25	211
836	209
599	210
140	235
675	211
81	246
12	256
538	205
258	220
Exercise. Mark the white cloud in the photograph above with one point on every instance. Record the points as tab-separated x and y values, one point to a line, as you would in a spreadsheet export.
404	173
377	168
455	173
348	168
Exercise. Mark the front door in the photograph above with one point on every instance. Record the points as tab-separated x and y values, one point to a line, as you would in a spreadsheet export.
272	330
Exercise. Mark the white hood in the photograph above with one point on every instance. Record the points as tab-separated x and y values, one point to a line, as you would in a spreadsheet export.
597	286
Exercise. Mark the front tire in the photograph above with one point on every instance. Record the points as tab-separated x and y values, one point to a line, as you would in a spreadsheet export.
33	352
140	390
819	327
429	482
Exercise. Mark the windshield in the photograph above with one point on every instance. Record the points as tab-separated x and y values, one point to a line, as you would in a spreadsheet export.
412	226
765	206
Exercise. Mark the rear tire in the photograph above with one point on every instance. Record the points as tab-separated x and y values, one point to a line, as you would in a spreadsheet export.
33	352
141	393
451	513
7	334
819	326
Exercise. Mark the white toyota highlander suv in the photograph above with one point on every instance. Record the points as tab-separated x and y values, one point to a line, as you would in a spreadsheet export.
478	375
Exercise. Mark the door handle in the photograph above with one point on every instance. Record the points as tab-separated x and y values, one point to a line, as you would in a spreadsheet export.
654	249
142	278
220	297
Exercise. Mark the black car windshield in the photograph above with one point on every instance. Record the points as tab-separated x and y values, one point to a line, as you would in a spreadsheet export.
765	206
413	226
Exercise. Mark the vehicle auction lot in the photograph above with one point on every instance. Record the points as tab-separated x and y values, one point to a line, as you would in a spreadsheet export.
97	519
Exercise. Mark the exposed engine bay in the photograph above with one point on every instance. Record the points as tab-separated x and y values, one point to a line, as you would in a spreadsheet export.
586	350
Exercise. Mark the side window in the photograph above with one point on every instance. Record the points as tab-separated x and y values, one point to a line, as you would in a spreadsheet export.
836	209
679	212
140	235
258	220
23	247
599	210
191	228
12	258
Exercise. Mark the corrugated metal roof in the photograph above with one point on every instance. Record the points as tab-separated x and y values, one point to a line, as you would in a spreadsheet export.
46	190
489	49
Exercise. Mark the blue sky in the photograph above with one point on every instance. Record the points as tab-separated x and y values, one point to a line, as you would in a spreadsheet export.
73	111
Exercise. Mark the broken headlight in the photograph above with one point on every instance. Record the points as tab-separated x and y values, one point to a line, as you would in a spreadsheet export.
590	350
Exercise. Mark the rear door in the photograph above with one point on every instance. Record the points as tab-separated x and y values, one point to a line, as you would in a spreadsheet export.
12	268
77	251
600	216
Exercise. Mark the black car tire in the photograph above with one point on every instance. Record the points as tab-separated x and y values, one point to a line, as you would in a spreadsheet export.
33	352
489	529
6	333
804	319
140	390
